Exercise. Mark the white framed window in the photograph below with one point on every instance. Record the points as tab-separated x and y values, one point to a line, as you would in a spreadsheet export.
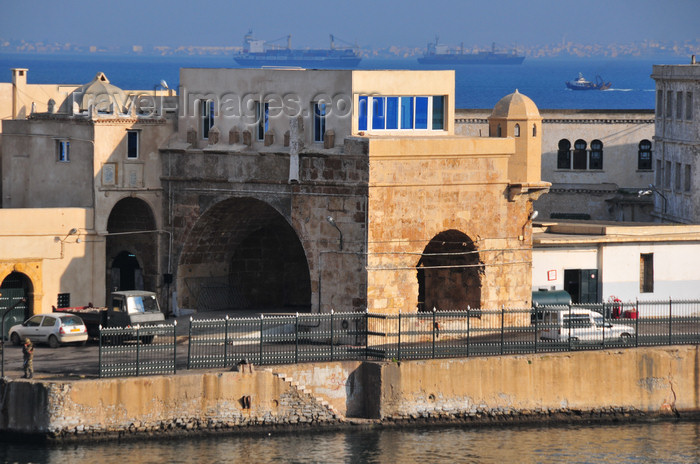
63	151
132	144
414	113
206	117
319	112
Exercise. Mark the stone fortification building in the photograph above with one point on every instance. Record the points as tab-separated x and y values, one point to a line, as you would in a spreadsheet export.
346	190
273	190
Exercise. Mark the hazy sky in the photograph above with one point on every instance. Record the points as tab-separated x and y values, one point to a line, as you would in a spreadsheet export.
376	23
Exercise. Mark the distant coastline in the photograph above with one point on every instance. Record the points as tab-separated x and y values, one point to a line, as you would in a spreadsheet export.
639	50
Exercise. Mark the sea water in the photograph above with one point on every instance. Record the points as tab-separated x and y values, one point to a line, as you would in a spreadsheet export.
658	443
476	86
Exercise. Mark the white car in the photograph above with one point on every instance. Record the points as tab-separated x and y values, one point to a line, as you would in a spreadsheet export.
582	325
54	329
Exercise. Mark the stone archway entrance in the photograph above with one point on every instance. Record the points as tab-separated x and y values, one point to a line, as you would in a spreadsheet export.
15	288
449	273
242	254
132	247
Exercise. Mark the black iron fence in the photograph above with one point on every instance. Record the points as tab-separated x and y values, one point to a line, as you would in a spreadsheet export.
137	351
264	340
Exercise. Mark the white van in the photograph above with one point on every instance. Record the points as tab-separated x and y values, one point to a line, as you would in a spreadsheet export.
582	325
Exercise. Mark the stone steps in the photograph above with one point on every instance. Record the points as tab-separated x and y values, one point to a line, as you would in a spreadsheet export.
307	392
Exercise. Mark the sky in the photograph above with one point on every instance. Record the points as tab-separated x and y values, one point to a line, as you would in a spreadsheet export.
369	23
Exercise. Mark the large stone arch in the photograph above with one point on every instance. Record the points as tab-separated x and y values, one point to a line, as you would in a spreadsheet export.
242	254
131	232
449	273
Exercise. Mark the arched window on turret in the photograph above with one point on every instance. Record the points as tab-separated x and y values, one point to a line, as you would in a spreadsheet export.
534	130
516	130
498	131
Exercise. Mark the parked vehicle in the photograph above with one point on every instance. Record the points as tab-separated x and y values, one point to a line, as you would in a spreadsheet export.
582	325
54	329
127	309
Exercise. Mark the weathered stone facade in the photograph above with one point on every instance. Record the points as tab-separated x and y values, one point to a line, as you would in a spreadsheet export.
677	138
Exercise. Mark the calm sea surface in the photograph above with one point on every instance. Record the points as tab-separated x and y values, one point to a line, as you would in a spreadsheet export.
476	86
615	444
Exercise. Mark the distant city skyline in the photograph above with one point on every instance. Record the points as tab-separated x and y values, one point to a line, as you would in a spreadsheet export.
369	23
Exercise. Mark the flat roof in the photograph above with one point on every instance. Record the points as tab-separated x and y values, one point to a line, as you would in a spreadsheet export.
563	233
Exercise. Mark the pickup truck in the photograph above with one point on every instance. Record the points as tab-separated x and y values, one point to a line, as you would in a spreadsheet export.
128	309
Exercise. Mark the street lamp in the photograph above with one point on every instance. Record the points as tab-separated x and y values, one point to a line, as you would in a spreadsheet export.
332	222
651	190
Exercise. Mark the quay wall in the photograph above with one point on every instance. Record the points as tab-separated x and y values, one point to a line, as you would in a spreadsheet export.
649	382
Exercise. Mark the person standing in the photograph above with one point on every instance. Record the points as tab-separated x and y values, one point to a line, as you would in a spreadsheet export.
28	352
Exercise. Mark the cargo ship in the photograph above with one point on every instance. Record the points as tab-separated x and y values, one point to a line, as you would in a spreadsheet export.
445	55
259	53
582	84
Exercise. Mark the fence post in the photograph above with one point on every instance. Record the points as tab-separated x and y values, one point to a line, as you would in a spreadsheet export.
366	333
536	312
398	348
434	311
262	316
189	344
226	341
636	324
468	327
99	343
296	340
138	350
332	312
569	328
175	346
670	318
503	314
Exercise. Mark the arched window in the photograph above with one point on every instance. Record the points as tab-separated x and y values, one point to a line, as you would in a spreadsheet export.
596	155
564	155
644	155
534	130
516	130
498	131
580	154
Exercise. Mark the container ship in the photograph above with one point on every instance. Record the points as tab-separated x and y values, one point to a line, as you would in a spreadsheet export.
258	53
445	55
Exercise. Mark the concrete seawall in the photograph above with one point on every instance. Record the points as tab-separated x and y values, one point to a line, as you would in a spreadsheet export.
649	382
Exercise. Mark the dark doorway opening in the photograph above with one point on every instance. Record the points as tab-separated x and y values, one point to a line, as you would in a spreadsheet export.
449	273
582	285
15	288
126	272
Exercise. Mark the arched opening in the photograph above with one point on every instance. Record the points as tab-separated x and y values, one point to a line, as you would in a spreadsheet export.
126	272
16	295
132	247
243	255
449	273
